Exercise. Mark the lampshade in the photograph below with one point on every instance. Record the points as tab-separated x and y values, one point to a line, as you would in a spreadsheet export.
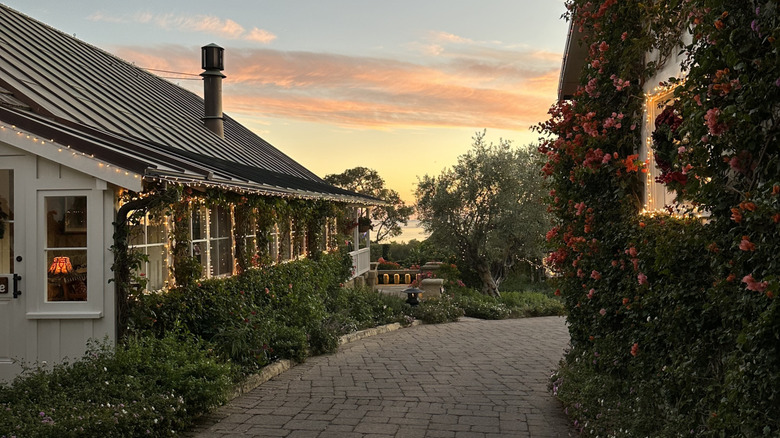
60	265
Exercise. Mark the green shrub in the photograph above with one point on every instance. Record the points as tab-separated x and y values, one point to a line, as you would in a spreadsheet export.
289	343
482	308
526	304
148	387
445	309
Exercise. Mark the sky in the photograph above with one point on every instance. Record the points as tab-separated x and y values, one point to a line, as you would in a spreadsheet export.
397	86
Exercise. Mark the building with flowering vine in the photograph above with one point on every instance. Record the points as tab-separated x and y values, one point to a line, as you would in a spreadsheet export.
115	181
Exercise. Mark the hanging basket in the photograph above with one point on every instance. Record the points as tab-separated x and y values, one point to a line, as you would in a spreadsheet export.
364	224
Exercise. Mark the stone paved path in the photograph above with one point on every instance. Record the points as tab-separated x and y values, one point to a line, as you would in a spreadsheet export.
472	378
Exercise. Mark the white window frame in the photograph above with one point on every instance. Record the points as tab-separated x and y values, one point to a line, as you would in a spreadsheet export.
206	241
40	307
145	247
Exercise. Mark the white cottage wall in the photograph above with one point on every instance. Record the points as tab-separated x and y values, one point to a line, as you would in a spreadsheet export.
43	329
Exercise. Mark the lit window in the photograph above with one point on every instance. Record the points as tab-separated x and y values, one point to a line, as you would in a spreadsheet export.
66	248
150	237
212	244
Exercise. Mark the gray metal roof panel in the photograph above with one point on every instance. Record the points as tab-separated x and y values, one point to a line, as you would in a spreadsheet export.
60	76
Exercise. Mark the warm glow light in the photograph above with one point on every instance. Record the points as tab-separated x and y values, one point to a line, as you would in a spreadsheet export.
60	265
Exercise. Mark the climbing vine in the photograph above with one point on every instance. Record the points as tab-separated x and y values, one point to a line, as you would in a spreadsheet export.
673	319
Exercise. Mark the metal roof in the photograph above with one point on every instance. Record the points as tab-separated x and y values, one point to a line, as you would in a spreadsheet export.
89	99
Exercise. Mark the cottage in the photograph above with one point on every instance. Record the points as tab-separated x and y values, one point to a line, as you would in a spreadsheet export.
89	145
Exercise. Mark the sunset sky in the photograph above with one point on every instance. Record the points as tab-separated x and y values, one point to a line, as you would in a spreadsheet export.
398	86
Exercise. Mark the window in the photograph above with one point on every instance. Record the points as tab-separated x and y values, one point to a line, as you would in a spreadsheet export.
221	257
285	241
273	243
150	237
656	194
212	243
66	248
298	236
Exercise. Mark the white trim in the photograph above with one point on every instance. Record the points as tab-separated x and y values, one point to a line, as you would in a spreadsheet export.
64	315
62	154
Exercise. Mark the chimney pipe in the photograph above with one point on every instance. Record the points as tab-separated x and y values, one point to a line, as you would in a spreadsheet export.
213	62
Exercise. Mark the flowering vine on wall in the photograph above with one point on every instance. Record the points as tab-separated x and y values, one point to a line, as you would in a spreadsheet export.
673	319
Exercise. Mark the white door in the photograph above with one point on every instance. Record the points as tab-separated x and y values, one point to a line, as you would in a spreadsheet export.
12	265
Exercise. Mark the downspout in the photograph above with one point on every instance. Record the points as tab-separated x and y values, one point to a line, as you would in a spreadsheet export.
121	265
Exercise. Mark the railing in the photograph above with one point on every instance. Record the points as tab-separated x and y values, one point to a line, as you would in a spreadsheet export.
361	261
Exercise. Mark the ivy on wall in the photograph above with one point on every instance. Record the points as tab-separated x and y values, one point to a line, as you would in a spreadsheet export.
674	322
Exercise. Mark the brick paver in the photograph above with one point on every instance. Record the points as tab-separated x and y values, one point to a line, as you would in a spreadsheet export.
472	378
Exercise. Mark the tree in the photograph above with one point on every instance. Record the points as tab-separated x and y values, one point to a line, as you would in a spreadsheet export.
386	219
487	209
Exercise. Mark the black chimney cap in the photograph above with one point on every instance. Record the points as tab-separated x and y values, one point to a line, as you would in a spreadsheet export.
212	57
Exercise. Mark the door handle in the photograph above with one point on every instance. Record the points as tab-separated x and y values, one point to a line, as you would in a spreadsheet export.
17	292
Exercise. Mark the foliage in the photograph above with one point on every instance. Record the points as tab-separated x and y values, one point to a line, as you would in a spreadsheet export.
148	387
388	218
252	318
445	309
412	253
674	320
474	208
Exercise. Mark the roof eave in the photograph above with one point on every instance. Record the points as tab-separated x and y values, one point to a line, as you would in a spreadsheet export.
573	62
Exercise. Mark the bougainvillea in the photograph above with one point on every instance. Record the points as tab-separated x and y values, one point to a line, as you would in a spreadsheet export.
674	322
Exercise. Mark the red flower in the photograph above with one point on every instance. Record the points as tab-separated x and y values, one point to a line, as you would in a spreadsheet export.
749	206
736	215
635	349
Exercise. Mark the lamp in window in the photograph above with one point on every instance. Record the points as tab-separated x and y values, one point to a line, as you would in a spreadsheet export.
60	266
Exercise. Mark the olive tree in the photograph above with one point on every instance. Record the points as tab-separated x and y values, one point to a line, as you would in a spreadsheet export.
487	209
386	219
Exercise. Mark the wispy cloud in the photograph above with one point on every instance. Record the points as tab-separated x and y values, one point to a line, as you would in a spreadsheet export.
225	28
474	86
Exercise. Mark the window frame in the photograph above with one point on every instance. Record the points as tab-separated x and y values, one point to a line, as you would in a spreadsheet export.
145	246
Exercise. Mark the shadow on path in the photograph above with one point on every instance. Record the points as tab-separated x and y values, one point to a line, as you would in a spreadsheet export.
472	378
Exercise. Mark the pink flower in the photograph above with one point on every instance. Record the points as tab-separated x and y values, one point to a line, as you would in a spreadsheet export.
591	293
752	284
624	36
596	275
603	47
746	244
642	278
635	349
606	158
716	128
681	150
603	312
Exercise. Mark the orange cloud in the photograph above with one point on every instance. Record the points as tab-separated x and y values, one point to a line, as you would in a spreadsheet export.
476	88
225	28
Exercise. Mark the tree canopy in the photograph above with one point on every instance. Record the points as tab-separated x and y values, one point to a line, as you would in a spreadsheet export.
387	219
487	209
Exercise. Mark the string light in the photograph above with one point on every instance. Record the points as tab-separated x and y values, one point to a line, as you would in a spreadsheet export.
60	148
660	93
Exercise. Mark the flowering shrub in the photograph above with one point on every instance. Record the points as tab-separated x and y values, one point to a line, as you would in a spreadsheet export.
673	320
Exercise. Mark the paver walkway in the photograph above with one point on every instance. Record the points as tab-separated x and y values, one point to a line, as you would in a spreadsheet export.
472	378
